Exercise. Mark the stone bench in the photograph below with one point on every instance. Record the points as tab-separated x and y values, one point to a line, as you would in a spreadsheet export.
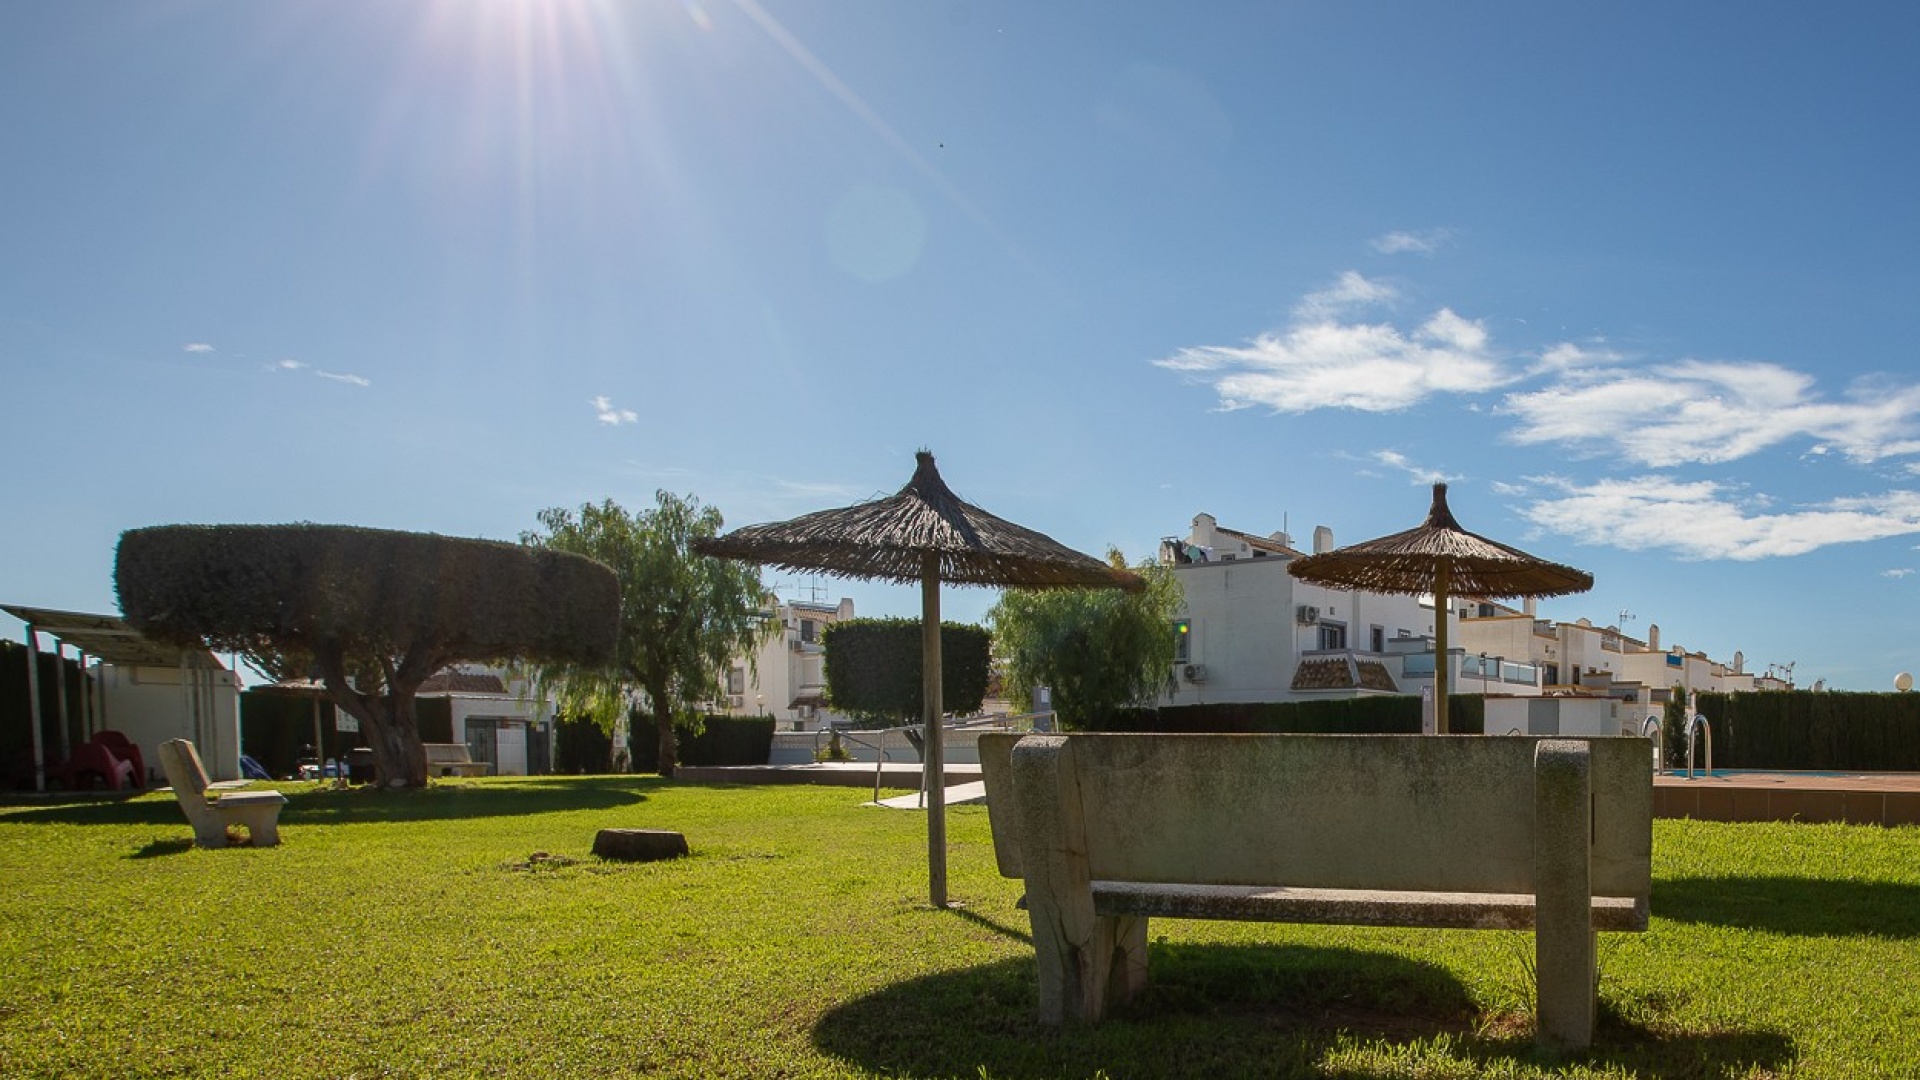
1464	832
453	759
256	811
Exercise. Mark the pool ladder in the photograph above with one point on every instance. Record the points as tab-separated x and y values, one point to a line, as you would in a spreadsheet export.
1699	724
1697	727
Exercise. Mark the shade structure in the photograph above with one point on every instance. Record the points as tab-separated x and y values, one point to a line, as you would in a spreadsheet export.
923	533
1446	560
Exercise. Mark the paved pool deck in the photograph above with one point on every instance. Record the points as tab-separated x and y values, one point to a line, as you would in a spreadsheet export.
1854	798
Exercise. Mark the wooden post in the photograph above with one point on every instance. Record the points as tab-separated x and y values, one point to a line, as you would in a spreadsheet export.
33	709
1442	584
60	698
930	714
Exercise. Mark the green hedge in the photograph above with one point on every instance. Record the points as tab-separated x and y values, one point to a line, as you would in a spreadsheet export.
1800	729
581	747
873	668
1394	715
236	586
722	741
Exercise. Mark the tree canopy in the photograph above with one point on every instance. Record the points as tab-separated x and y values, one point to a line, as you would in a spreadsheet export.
373	611
683	616
873	668
1097	649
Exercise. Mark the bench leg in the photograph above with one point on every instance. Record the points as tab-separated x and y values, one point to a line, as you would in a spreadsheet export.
1563	937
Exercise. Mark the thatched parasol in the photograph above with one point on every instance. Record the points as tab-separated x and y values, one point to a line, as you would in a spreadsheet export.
923	533
1442	558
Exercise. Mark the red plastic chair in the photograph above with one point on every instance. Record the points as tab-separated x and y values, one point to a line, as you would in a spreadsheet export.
126	750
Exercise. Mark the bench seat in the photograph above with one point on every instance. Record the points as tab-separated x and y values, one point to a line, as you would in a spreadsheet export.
1349	907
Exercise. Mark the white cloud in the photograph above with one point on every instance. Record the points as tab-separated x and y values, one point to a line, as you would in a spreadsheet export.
196	346
1705	520
1698	411
1425	242
1897	574
286	365
1350	291
351	380
1396	460
603	408
1320	361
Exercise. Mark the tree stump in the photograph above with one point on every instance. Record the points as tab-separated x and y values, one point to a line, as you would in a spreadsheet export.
639	845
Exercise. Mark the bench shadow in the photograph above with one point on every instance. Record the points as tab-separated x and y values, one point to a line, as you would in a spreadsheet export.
1796	906
154	849
313	804
1213	1010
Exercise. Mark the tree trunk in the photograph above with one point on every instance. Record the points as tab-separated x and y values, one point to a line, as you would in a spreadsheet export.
390	729
663	727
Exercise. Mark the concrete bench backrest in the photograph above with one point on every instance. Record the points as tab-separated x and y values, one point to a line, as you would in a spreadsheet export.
1398	812
181	762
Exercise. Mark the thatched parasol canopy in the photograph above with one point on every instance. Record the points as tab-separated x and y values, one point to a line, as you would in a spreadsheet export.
923	533
889	540
1441	558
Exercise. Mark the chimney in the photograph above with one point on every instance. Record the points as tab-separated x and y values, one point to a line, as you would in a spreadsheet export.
1531	606
1653	637
1322	539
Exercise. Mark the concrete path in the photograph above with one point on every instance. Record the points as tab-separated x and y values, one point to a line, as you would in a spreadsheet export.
957	795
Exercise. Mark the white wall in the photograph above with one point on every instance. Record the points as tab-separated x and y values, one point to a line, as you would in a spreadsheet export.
149	706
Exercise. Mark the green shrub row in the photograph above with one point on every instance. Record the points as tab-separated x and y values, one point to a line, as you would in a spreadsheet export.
722	741
1392	715
276	727
1800	729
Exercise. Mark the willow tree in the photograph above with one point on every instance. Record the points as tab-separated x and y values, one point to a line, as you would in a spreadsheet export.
1098	650
373	612
684	617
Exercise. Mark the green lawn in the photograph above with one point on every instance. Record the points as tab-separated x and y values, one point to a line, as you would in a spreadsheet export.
466	931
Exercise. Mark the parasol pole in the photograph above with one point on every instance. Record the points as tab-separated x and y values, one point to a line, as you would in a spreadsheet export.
1442	584
930	710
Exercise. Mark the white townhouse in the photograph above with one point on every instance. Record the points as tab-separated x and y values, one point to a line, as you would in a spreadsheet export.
787	679
1249	631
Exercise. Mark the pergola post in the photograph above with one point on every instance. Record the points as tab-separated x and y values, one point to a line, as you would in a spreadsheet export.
60	698
33	709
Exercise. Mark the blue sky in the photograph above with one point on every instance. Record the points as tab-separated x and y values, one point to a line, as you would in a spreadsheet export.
1638	279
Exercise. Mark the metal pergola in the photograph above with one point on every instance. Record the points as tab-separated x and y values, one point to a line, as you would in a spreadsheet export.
109	639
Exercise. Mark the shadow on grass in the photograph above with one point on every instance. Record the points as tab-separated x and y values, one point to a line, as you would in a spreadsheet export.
1786	905
1011	932
313	804
154	849
1217	1010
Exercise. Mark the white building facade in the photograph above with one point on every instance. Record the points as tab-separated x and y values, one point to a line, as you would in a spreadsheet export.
787	679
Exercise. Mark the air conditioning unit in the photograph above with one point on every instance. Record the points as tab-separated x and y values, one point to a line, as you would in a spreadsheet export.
1306	614
1196	673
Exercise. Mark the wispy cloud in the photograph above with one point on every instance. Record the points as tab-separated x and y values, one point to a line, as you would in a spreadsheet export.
1394	459
1706	520
196	347
1424	242
1323	361
1900	572
607	414
339	376
1709	412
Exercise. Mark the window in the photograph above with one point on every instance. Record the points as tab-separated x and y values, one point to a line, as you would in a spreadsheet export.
1333	635
1182	640
1377	639
737	681
807	630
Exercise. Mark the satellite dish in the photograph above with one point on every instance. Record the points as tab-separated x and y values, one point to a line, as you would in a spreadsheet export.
1903	682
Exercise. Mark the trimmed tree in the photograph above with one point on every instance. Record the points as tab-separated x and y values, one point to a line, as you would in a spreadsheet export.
683	616
874	667
1099	650
373	612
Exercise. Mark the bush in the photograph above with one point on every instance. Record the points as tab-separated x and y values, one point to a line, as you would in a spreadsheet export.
874	667
721	741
